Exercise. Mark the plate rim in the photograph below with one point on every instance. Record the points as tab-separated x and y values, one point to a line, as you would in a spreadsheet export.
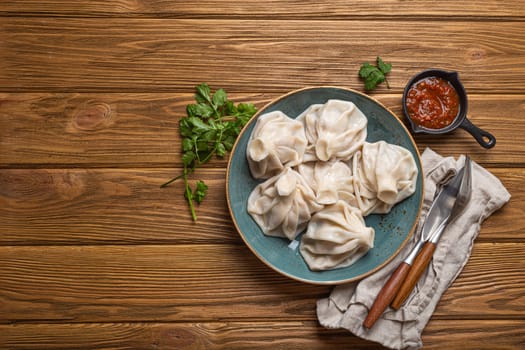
253	119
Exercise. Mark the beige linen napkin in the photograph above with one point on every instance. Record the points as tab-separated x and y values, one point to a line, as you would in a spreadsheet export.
348	305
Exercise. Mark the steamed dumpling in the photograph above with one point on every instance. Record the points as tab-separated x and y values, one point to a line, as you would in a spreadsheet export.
335	130
283	205
277	141
310	117
330	181
384	174
336	237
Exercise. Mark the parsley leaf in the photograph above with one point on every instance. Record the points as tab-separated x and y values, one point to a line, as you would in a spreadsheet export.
374	75
200	191
384	67
210	128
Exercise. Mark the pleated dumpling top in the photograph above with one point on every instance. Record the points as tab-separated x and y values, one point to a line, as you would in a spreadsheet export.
277	141
335	130
336	237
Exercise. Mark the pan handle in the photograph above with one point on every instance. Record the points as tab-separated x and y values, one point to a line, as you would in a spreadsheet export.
484	138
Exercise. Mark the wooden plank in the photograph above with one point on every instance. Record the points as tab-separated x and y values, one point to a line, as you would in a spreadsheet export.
212	282
104	206
475	334
87	54
251	8
108	206
113	130
141	129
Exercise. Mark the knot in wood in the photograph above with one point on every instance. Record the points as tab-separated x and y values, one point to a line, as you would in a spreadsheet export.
92	115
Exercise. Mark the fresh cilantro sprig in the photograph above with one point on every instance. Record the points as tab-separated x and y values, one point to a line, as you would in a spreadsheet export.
374	75
210	128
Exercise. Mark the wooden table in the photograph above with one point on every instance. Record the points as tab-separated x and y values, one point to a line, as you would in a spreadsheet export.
94	255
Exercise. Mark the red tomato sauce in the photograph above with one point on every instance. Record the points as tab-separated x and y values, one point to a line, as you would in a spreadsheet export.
432	103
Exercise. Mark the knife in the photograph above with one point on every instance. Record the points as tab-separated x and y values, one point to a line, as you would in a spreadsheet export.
438	213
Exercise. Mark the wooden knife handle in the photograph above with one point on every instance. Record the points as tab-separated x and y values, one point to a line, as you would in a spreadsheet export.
386	294
419	265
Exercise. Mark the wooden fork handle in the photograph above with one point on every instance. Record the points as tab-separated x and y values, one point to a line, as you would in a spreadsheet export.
420	264
386	294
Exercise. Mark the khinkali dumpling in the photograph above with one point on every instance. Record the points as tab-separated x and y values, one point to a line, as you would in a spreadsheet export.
335	130
330	181
283	204
384	174
310	117
277	141
337	236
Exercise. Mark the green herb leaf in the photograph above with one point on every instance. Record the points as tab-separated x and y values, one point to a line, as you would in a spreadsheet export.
384	67
185	127
191	110
188	157
219	98
202	146
228	143
210	129
199	126
200	191
209	135
203	93
203	110
372	75
374	79
246	108
366	70
187	144
229	108
220	149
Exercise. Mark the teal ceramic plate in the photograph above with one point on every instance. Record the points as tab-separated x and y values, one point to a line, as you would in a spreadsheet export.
392	230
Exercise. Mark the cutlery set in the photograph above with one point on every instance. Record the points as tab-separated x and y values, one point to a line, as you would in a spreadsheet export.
448	205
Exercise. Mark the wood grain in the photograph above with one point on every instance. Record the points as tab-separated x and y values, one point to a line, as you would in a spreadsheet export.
101	130
291	335
141	129
213	282
126	206
146	55
93	255
255	9
85	206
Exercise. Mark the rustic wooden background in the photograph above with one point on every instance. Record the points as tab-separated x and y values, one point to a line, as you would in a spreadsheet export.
93	255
